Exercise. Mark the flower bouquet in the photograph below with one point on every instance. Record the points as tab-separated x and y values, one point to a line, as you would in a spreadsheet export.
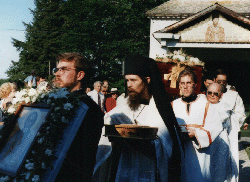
38	160
178	61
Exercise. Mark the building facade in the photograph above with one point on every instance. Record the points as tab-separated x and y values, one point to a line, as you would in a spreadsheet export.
215	31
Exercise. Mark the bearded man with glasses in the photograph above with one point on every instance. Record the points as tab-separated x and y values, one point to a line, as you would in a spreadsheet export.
79	162
201	125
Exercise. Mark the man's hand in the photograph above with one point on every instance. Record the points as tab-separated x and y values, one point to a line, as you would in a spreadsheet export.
191	132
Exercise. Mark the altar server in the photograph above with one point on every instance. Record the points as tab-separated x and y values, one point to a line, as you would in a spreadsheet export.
203	147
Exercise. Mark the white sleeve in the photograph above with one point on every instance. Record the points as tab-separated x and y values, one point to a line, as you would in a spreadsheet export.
212	128
239	111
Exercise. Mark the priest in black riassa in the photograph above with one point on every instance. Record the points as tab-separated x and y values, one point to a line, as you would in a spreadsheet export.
80	159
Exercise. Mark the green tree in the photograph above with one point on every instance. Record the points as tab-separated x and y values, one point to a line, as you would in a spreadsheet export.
42	40
105	31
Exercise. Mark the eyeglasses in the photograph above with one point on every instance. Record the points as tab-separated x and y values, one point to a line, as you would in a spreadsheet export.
62	69
189	84
213	93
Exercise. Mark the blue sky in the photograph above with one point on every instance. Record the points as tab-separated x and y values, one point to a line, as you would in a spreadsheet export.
13	13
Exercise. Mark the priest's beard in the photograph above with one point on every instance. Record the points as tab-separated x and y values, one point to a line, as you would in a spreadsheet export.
135	98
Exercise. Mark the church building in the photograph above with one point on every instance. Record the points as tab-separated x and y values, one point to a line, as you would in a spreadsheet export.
215	31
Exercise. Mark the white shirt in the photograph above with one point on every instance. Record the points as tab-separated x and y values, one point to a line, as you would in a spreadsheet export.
94	95
29	79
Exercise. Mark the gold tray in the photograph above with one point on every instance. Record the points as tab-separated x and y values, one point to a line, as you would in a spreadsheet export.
131	131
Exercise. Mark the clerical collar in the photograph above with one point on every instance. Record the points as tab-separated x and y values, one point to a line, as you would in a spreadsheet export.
189	99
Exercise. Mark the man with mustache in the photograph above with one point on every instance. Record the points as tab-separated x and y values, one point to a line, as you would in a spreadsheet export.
146	104
79	162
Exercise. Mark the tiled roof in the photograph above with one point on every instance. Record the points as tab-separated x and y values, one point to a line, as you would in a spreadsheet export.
186	8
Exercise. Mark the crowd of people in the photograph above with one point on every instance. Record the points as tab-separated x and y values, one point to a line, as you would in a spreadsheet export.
197	137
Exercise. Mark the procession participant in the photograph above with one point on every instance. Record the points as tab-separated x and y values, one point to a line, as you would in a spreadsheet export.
237	117
41	83
203	124
30	81
111	101
79	163
97	96
214	94
209	78
147	104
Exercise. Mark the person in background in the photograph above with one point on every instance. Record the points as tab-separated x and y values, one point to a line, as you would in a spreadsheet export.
111	101
97	96
7	93
41	83
104	91
209	78
203	124
30	81
88	89
237	116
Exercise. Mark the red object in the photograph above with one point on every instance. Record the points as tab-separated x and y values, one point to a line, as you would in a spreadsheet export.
165	68
110	104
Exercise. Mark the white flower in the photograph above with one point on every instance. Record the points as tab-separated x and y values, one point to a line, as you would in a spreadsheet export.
64	120
175	52
67	106
6	178
43	165
40	140
53	95
49	101
27	176
195	60
35	178
11	110
57	109
180	57
27	100
48	152
32	92
34	98
30	166
14	101
43	95
19	95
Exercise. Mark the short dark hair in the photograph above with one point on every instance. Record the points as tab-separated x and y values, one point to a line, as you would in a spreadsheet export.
81	63
188	72
220	72
208	76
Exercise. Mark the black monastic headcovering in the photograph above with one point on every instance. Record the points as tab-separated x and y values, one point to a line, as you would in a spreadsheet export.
147	67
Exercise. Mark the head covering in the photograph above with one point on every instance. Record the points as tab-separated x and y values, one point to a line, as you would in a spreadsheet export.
113	90
147	67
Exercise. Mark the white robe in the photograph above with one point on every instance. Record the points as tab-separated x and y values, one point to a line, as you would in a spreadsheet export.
133	166
237	118
207	155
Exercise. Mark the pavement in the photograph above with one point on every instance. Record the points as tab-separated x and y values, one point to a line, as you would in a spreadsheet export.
244	162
